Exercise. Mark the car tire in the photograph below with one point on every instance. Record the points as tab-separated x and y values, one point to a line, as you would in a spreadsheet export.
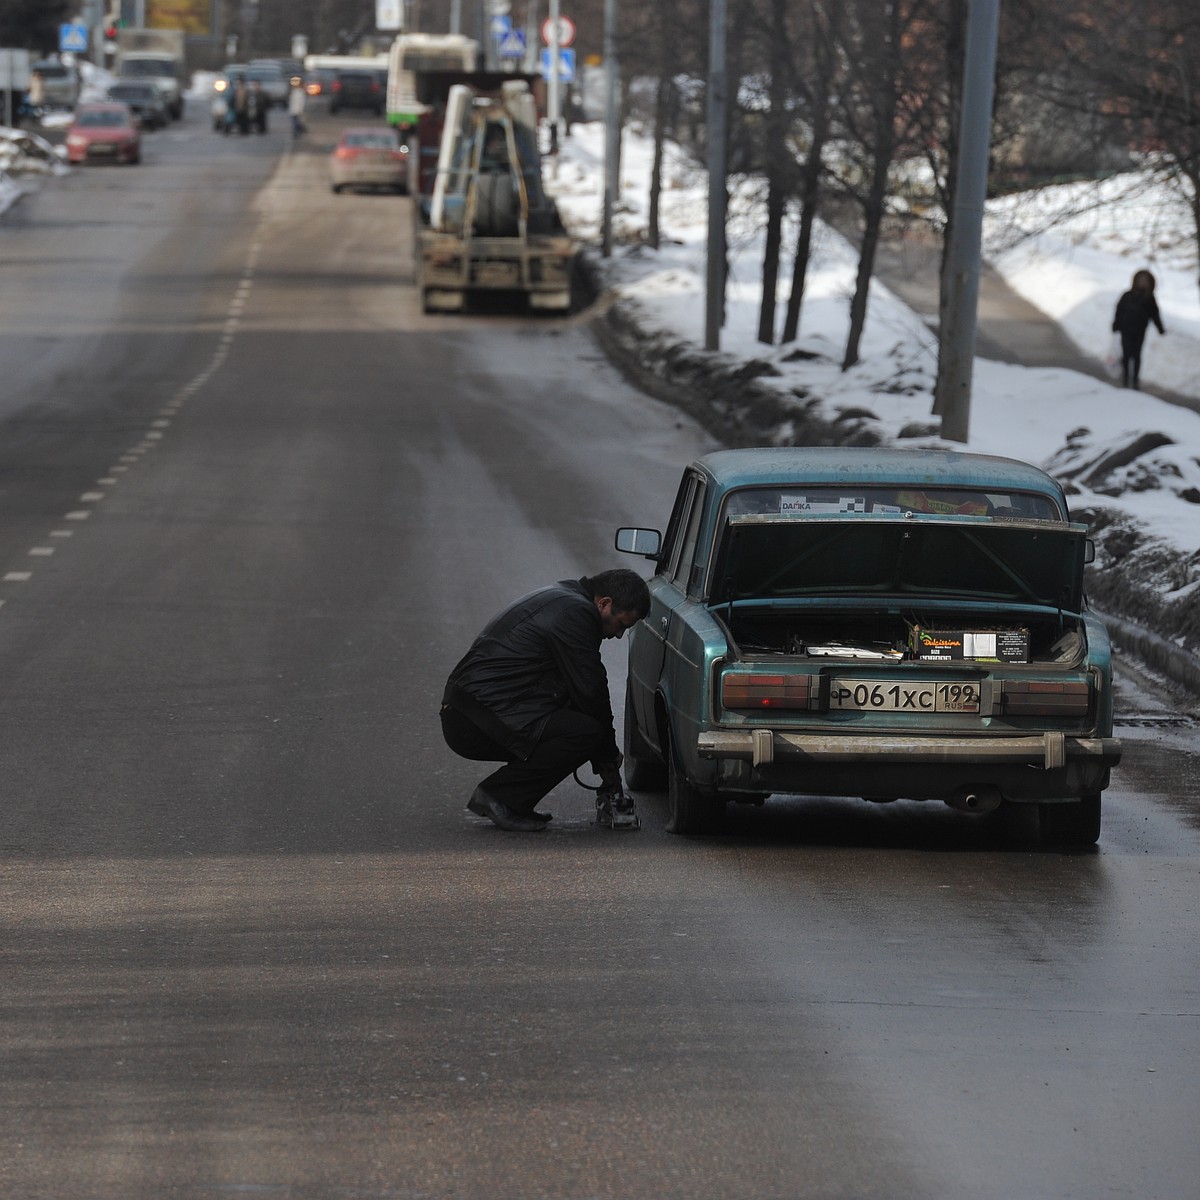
1073	825
688	809
644	772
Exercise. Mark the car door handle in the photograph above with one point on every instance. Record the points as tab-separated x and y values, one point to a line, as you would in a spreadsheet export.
665	623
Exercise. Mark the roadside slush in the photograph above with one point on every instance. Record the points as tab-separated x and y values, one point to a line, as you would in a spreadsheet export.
727	398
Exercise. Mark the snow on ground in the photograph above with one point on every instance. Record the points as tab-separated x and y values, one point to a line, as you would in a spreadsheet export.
1072	250
1071	424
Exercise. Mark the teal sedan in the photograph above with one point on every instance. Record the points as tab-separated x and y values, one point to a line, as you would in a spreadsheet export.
886	624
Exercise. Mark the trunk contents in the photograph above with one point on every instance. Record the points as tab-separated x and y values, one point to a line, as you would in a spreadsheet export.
893	637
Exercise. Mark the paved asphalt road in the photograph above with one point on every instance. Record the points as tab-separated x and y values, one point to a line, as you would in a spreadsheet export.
253	506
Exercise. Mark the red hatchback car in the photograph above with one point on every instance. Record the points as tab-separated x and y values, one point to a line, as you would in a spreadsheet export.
104	132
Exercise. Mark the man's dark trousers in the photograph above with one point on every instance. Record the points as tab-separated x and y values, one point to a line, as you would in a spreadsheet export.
568	740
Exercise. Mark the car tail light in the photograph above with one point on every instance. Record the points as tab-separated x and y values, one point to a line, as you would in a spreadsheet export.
1035	698
337	85
765	691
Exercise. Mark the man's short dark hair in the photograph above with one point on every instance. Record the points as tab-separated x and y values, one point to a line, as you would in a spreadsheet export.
627	589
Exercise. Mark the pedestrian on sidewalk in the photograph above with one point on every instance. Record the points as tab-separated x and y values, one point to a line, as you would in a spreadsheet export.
296	100
532	693
1135	310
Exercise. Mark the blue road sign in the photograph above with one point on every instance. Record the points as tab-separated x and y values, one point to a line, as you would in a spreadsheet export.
566	65
72	39
500	24
512	44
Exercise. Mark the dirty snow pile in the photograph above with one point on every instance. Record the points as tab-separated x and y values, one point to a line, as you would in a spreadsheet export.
1130	461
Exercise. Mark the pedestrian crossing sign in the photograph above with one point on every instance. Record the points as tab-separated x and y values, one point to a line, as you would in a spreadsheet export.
72	38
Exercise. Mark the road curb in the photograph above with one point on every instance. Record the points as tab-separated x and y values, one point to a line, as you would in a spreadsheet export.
1168	659
723	396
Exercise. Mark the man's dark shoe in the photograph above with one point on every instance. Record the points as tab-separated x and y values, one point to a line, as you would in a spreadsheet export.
482	805
538	816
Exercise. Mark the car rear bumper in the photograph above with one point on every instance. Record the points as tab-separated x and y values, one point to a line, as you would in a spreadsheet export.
371	177
1046	750
1048	766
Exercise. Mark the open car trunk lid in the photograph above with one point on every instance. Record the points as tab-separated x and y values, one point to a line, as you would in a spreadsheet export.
908	558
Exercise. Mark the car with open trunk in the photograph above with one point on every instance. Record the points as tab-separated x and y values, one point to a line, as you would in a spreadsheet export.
887	624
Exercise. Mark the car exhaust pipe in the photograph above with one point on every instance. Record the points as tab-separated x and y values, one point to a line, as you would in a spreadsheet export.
976	800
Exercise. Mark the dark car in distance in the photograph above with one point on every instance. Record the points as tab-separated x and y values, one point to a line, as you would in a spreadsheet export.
145	100
358	89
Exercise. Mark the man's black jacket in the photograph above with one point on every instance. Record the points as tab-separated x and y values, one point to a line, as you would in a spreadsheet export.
540	655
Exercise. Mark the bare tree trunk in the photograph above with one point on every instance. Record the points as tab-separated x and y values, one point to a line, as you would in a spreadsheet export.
873	207
955	53
662	107
810	178
779	177
810	192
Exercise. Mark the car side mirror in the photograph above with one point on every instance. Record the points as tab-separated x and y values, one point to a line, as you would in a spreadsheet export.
1089	551
646	542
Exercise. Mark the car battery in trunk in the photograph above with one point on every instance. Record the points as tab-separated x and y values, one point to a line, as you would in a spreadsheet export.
1009	644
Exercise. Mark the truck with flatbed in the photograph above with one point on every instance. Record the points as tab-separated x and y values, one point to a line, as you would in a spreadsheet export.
485	224
156	56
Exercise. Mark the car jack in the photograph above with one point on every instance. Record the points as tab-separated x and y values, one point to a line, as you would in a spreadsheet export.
615	808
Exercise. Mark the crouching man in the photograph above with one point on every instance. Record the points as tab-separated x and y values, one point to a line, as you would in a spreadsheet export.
532	693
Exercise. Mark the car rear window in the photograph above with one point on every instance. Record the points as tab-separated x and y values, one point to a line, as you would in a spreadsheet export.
799	500
372	141
102	118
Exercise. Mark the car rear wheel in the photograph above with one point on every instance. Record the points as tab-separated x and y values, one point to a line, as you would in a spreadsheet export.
688	809
1075	824
644	772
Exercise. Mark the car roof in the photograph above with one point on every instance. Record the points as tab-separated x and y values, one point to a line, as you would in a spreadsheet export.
100	106
764	466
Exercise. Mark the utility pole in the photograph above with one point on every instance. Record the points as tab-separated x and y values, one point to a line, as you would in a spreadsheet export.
533	39
963	254
456	16
714	307
553	99
612	130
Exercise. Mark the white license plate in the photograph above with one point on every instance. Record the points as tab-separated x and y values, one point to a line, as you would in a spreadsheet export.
882	695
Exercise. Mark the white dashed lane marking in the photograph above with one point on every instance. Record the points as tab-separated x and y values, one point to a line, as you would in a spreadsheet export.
166	414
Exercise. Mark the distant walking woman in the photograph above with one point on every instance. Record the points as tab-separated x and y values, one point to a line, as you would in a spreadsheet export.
1135	310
